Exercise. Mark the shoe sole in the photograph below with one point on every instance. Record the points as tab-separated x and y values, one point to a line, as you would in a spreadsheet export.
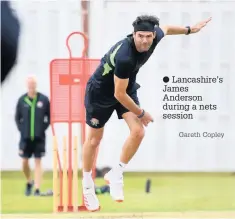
98	209
118	200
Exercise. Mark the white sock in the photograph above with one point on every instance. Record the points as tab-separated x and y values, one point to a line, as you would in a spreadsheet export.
87	178
121	166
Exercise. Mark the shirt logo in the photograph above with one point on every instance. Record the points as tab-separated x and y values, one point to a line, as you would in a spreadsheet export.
94	121
39	104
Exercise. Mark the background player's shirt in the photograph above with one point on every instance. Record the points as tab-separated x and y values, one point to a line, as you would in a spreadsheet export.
124	61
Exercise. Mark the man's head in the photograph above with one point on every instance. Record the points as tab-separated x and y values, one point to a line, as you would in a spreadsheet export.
31	84
144	32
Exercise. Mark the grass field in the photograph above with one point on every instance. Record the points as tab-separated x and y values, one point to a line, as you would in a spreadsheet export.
183	192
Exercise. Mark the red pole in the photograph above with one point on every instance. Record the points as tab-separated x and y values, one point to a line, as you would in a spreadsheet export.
85	18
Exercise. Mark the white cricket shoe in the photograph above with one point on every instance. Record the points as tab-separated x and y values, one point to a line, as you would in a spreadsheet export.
115	180
90	199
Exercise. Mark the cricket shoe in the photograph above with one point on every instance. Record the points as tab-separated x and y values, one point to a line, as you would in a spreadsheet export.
115	180
90	199
37	192
28	189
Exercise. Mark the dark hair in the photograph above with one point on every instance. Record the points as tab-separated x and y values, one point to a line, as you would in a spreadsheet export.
146	18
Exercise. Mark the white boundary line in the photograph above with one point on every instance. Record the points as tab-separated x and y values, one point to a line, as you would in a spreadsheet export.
153	215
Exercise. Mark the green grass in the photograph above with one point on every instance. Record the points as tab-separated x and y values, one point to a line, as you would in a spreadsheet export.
169	193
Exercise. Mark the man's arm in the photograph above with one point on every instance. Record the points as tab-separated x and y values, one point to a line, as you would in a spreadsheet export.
176	30
18	116
121	95
122	72
47	114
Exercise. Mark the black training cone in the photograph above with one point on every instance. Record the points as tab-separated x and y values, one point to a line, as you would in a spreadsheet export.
147	186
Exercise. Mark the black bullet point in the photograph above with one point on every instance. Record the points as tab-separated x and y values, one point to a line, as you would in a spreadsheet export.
166	79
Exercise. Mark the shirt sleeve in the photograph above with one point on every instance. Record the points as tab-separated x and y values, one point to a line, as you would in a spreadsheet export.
159	34
10	31
123	68
18	116
47	113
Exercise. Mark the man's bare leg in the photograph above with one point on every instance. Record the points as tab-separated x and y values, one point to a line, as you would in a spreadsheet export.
26	170
90	146
37	175
89	152
135	138
131	145
27	173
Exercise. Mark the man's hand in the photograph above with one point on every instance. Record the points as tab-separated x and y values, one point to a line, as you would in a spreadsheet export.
197	27
146	119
